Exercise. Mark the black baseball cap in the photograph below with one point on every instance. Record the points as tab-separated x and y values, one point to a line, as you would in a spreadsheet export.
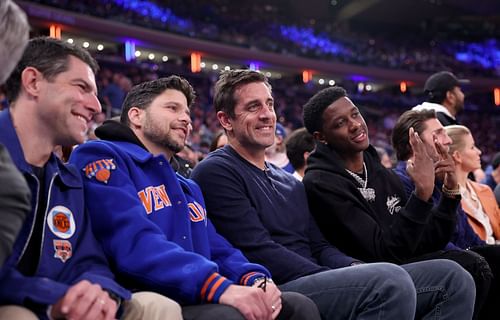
442	82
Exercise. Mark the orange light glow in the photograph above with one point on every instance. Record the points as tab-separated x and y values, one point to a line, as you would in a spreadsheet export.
195	62
403	86
55	31
306	76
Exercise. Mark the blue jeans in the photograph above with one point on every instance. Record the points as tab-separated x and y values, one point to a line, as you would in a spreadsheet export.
444	289
438	289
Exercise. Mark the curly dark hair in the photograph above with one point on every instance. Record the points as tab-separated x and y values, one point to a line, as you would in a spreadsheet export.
314	108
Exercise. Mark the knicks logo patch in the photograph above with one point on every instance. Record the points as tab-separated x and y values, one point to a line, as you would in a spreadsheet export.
100	169
61	222
63	250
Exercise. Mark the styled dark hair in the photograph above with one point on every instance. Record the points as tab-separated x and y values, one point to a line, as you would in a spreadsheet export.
50	57
298	142
314	108
409	119
229	81
141	95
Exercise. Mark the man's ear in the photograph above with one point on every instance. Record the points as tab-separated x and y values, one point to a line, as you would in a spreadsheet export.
450	96
224	121
135	116
30	81
320	137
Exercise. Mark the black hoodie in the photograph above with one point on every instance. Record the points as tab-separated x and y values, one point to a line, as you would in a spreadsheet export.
112	130
392	228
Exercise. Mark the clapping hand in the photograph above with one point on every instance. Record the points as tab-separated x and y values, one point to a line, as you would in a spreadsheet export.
421	167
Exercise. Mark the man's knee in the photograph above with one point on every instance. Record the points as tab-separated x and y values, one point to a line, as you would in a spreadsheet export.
16	312
386	276
297	306
151	306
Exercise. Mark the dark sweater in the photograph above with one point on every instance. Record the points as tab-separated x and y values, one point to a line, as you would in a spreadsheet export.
464	236
392	228
265	214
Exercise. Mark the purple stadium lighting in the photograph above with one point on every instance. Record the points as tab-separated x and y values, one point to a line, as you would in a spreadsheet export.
129	50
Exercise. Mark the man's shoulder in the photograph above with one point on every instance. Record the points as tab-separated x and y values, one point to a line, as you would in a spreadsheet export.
98	148
215	161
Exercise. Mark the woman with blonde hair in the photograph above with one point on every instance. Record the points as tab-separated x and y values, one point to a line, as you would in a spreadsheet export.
478	201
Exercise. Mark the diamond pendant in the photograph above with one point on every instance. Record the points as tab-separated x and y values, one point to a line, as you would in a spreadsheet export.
368	194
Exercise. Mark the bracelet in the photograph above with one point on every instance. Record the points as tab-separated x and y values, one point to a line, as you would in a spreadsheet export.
264	280
450	193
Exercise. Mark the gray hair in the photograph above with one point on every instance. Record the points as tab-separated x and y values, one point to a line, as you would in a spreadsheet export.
13	38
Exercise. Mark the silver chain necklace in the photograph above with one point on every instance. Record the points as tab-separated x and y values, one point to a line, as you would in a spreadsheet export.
367	193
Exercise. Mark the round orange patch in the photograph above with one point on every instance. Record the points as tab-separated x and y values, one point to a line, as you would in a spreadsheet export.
61	222
102	175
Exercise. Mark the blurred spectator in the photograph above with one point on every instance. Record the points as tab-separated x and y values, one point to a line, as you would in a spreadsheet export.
218	141
14	192
13	38
276	153
444	96
97	120
385	160
299	145
492	178
113	94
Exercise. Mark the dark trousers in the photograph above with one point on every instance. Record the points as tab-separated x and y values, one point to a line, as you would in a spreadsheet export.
491	254
294	307
479	269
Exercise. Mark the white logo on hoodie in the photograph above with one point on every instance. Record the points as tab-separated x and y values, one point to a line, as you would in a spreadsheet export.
392	204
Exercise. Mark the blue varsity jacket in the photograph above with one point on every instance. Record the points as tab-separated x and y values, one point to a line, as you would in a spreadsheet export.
69	251
153	225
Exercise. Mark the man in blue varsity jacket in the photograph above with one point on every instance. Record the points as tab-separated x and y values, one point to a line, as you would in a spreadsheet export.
56	269
152	222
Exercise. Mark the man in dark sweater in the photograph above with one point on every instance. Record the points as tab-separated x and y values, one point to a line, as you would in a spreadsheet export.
263	211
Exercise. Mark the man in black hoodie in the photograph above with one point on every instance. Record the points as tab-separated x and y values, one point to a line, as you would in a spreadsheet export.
362	207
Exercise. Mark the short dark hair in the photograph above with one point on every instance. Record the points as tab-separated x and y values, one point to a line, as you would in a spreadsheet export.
298	142
141	95
49	56
410	119
229	81
314	108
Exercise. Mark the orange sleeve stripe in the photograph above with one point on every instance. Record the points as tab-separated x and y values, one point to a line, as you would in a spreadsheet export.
245	278
214	288
207	283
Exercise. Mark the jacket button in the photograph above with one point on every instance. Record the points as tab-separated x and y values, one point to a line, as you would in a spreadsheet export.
179	202
160	163
184	237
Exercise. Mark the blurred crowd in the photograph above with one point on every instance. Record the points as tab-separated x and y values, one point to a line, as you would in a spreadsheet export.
268	28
